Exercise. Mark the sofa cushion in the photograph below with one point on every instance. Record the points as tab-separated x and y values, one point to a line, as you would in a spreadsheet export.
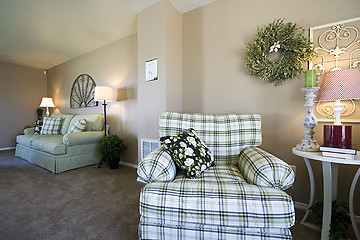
94	122
157	166
49	143
66	121
219	197
51	126
190	154
26	140
79	126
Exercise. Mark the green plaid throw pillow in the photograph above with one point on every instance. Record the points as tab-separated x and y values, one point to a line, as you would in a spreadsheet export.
51	126
190	154
158	166
79	126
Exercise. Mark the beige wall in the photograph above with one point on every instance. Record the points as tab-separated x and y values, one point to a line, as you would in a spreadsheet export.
114	65
215	79
21	90
159	36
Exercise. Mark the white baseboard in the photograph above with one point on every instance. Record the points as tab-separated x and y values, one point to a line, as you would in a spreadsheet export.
304	206
128	164
7	148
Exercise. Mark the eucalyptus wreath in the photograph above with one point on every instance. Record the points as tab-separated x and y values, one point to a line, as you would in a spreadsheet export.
278	36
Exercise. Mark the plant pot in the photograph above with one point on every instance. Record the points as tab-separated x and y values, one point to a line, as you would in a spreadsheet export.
114	164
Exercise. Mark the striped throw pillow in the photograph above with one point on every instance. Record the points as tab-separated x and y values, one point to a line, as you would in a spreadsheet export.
51	126
79	126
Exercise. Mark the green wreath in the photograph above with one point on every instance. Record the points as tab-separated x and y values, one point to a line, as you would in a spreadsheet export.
286	37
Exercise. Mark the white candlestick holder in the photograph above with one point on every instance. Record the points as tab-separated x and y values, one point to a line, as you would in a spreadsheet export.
309	121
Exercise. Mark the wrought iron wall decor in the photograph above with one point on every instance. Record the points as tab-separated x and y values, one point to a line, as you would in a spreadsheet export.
337	46
82	92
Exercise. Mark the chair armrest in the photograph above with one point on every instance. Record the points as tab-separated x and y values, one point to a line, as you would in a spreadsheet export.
158	166
29	131
79	138
261	168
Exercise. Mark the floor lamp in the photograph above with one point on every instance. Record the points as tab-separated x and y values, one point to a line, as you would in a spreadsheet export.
104	94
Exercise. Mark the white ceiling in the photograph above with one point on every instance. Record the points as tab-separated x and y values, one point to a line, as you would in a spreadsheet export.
45	33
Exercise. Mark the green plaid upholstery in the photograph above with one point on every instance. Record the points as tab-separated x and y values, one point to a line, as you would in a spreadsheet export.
153	229
157	166
261	168
51	126
220	203
225	135
219	197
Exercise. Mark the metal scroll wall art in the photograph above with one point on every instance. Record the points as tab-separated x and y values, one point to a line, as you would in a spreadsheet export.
338	47
82	92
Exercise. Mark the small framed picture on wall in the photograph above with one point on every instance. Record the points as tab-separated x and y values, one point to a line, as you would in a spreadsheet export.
151	73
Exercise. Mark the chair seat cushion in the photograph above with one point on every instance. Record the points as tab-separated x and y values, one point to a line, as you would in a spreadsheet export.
219	196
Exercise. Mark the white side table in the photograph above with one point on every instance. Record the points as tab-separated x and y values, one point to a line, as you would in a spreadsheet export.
330	170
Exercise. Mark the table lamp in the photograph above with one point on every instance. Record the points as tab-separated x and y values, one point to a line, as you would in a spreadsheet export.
47	102
339	85
335	86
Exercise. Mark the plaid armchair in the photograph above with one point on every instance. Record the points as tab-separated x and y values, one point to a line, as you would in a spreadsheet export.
240	197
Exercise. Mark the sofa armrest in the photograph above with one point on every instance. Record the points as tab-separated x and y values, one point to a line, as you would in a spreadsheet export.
29	131
158	166
79	138
261	168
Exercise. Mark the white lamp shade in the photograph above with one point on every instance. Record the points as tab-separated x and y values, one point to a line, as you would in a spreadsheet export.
47	102
104	94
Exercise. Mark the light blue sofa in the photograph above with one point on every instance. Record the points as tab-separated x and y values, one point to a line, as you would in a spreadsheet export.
59	153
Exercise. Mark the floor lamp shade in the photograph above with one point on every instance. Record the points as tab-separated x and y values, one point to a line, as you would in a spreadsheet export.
47	102
104	94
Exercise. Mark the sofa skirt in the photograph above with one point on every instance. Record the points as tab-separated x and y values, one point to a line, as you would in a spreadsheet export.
57	163
150	229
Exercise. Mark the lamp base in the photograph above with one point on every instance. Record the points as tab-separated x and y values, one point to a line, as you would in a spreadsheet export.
308	145
338	136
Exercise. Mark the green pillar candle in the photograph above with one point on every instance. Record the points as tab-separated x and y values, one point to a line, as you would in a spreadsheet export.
310	78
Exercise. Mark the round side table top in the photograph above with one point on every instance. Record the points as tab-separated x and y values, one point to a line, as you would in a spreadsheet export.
317	156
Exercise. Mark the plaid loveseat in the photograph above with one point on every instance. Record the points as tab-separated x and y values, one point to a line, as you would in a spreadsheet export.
240	197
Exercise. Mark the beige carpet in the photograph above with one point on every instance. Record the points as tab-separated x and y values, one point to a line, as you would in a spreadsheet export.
86	203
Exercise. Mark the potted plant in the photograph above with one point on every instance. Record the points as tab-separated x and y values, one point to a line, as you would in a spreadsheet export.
111	147
340	219
39	112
